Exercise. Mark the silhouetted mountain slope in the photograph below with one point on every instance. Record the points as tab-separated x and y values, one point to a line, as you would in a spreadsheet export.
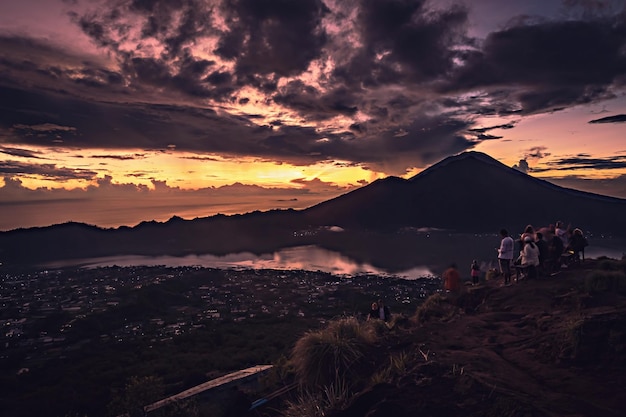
259	232
470	192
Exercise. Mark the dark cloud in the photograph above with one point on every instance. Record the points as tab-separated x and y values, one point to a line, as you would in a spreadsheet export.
488	128
24	153
619	118
537	152
111	125
580	162
119	157
49	171
403	41
267	37
317	105
483	136
552	64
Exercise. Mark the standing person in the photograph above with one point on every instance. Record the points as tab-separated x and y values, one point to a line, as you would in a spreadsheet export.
562	233
475	272
505	255
452	279
383	311
542	245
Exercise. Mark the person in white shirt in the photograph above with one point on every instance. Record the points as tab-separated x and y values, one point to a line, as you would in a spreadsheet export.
505	255
529	257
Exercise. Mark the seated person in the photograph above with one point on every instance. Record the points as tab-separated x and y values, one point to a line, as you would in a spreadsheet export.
577	244
529	257
555	250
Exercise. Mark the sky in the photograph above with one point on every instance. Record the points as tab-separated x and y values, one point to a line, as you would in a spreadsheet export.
113	112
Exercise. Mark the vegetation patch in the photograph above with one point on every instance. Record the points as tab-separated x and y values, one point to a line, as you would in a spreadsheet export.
334	355
605	280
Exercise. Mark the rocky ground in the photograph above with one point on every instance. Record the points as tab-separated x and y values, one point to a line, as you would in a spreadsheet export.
543	347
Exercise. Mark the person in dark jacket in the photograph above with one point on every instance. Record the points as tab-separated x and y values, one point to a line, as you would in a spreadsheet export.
555	250
577	244
373	314
383	311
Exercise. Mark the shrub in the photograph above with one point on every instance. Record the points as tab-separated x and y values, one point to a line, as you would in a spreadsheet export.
333	355
433	307
605	280
398	366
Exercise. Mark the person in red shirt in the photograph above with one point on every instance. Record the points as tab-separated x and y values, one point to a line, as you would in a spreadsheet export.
452	279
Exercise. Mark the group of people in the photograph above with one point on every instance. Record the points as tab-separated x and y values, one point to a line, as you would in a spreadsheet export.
540	251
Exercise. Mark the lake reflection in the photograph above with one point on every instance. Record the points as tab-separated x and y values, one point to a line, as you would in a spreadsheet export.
308	258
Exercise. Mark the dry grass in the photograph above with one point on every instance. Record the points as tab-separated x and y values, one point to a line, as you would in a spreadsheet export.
333	397
335	354
435	306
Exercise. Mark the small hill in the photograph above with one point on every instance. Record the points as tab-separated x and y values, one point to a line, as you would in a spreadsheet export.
470	192
554	346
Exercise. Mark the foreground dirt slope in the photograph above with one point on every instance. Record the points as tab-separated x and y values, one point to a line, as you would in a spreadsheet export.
544	347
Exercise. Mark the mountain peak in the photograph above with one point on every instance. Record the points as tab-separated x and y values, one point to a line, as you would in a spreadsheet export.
479	157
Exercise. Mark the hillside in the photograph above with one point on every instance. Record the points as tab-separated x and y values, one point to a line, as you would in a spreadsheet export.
550	347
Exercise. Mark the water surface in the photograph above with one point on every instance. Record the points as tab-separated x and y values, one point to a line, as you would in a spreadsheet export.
307	258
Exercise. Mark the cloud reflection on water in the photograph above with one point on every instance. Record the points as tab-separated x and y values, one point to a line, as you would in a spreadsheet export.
308	258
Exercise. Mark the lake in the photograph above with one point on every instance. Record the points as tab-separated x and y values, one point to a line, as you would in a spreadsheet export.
307	258
314	258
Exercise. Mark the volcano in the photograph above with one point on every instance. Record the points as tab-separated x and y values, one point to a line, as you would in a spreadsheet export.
470	192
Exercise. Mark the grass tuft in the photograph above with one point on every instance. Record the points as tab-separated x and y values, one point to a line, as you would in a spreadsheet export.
335	354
